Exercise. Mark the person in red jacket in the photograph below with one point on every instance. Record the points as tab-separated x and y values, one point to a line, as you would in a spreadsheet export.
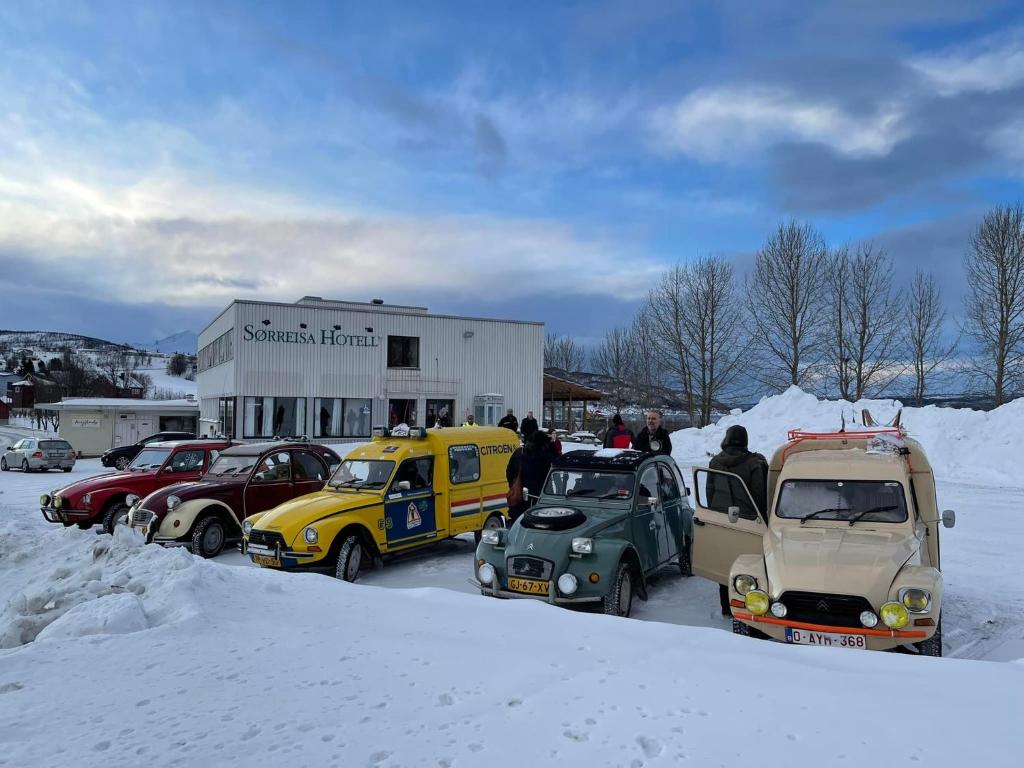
618	436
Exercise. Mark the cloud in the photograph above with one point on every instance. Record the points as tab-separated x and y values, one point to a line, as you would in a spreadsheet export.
995	63
729	124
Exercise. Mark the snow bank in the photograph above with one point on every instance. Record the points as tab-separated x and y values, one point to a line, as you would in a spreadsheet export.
962	444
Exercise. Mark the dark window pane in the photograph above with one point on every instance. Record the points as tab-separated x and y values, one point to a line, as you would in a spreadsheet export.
306	466
403	352
464	463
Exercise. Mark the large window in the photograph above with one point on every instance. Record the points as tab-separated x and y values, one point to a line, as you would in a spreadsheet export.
341	417
218	351
226	415
403	352
464	463
274	417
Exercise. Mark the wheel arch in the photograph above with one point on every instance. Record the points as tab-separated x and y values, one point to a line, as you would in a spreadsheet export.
365	537
190	512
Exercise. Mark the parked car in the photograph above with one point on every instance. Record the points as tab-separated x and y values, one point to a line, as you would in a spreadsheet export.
395	494
105	499
245	479
122	456
605	521
38	454
847	555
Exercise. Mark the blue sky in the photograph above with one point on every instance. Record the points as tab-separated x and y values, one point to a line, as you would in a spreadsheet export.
542	161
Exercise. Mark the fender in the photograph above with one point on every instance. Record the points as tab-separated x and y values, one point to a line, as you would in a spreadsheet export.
751	565
185	515
605	560
921	577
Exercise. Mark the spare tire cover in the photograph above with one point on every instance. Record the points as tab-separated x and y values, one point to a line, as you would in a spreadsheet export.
553	518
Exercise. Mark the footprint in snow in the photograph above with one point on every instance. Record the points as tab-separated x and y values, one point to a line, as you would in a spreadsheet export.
651	747
379	757
445	700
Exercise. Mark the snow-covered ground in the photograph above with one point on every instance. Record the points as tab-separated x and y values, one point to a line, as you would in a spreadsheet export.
118	654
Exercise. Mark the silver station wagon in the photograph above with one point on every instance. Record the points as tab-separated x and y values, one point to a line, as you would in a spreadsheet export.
33	454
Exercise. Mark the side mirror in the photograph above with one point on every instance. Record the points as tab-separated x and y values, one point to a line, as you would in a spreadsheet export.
948	518
404	485
734	514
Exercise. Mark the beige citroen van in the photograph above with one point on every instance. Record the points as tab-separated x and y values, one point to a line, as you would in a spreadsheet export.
846	555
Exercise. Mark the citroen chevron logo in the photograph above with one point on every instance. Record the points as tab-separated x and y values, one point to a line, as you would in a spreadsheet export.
822	606
530	547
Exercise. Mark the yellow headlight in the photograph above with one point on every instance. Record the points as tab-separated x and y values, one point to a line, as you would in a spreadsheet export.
894	615
757	602
744	583
917	600
58	502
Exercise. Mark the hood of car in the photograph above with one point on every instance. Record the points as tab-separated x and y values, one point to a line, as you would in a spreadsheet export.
197	489
554	545
290	517
125	480
837	559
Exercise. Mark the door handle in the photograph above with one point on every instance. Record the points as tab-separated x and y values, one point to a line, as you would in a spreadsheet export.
698	521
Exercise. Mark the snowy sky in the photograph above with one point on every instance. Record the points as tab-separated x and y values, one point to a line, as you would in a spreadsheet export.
541	161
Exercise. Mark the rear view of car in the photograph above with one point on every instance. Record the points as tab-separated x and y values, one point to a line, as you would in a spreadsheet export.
38	455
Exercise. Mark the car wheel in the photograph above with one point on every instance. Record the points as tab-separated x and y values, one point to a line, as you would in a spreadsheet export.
24	466
3	464
208	537
619	600
933	645
350	559
66	469
492	523
685	559
113	516
121	463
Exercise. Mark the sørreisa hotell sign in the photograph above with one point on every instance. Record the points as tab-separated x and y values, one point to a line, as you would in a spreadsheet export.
326	337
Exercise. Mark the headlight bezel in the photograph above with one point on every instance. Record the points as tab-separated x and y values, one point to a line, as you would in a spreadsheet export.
58	501
906	591
492	536
132	499
583	545
487	574
746	576
761	598
897	611
572	583
87	500
173	502
247	527
45	499
310	535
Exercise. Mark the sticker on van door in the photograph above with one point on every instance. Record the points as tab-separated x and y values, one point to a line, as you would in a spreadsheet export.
413	518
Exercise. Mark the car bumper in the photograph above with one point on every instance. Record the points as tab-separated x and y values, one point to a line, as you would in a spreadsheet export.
551	597
286	557
51	463
54	515
878	638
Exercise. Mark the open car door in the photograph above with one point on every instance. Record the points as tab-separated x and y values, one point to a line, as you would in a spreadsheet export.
717	542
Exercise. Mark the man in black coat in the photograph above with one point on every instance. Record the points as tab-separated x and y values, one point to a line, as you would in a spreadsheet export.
528	425
530	464
653	438
509	421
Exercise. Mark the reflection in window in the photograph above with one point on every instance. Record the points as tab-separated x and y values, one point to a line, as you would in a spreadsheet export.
403	352
275	416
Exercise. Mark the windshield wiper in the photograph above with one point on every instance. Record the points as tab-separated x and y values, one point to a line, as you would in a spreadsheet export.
579	491
862	513
613	494
824	511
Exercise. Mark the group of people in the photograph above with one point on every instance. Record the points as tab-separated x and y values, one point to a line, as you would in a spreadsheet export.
653	438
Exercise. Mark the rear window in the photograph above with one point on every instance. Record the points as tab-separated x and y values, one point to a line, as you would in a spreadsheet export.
54	445
464	463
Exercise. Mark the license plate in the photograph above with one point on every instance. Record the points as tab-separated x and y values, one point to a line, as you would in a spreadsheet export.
827	639
528	586
270	562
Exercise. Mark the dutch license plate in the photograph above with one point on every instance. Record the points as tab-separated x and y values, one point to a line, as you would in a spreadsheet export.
528	586
827	639
264	560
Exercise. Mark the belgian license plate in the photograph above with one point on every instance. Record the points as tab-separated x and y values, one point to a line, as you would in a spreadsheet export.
827	639
528	586
268	562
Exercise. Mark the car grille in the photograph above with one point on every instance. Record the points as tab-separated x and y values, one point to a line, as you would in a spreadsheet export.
141	517
819	608
266	538
530	568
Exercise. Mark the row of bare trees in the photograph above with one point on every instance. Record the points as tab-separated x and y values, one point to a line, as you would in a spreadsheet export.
832	321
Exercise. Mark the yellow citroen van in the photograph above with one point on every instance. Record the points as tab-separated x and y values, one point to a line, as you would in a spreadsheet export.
391	495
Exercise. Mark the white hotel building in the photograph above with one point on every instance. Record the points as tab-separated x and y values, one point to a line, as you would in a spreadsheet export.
332	370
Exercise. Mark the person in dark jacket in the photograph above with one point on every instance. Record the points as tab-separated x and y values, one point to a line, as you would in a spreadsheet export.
751	468
653	438
509	421
528	426
618	435
531	464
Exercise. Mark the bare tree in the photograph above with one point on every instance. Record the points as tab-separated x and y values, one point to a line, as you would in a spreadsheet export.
785	295
837	352
563	353
924	322
614	359
995	300
664	316
118	368
648	377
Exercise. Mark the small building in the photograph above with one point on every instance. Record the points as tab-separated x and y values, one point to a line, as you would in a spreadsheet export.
94	424
5	409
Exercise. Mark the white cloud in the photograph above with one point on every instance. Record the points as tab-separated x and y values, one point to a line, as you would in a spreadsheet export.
990	65
728	124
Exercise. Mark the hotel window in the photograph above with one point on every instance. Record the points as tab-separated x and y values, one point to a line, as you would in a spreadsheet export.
337	417
403	352
226	415
274	417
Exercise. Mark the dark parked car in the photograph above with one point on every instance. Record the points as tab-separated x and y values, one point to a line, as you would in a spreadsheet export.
244	480
122	456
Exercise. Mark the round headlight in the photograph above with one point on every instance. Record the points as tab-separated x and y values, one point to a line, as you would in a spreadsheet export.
247	527
778	610
173	502
744	583
567	584
916	600
757	602
895	615
869	619
44	500
486	573
58	502
87	499
131	499
310	535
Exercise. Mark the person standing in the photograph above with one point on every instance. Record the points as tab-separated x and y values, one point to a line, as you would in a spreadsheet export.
530	464
653	438
528	425
555	443
618	435
509	421
470	421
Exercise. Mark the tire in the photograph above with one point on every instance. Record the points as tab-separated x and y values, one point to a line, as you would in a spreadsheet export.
350	559
113	514
66	469
723	600
553	518
208	537
3	464
25	467
493	522
933	645
685	559
121	463
619	600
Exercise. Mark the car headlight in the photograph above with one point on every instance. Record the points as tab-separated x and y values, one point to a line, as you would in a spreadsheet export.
87	499
486	573
779	610
757	602
744	583
44	500
310	535
492	535
582	546
247	527
895	615
869	619
567	584
916	600
131	499
173	502
58	502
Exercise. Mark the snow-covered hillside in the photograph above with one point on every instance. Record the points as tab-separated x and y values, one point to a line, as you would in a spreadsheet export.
120	654
185	342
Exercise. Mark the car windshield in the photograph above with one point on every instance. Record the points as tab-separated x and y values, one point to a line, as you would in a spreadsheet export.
150	458
590	483
870	501
360	473
232	466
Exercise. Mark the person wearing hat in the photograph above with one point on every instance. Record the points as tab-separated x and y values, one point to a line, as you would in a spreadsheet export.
618	435
751	468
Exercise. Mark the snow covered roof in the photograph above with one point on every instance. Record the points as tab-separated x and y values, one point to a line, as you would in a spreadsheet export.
120	404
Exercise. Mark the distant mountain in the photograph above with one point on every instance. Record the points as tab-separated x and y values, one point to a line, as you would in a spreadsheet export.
186	342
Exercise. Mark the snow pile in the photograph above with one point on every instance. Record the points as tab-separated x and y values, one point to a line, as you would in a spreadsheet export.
962	444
